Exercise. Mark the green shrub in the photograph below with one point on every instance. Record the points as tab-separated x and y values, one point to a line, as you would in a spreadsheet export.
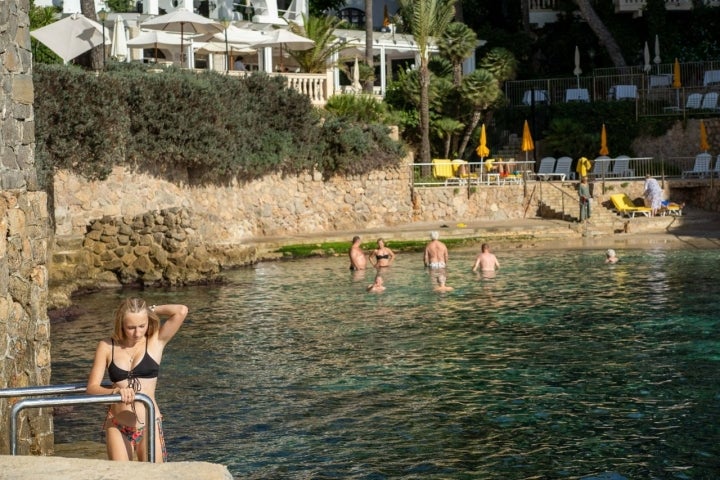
213	126
357	108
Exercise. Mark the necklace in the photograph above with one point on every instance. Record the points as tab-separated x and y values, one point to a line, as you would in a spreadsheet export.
131	353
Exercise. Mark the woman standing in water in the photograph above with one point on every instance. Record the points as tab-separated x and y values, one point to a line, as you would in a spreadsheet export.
381	256
132	357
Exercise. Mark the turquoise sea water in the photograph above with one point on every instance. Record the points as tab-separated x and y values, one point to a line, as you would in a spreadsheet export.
559	367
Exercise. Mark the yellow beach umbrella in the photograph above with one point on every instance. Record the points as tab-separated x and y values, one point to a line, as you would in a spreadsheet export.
583	167
527	141
676	75
603	142
482	150
703	137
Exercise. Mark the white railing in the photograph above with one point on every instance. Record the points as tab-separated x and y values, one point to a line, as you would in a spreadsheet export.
625	5
314	86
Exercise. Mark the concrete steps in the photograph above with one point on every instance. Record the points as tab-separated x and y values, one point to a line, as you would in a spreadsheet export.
559	200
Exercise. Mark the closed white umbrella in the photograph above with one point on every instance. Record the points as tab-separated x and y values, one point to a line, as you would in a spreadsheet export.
356	77
71	36
119	50
577	70
183	21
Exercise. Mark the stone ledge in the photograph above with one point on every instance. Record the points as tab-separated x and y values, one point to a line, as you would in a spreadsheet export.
59	468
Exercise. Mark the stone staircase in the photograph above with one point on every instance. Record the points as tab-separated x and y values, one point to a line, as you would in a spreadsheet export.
559	200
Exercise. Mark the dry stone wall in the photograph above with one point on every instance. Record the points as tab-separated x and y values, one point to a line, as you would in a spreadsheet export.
24	238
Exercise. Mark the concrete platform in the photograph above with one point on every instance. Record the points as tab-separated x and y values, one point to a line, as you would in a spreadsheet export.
59	468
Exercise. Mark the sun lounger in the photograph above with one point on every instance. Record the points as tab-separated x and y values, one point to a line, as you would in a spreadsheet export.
546	168
625	206
671	208
701	167
442	169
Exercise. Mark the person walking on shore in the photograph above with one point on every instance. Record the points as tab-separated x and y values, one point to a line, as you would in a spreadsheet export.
584	199
132	356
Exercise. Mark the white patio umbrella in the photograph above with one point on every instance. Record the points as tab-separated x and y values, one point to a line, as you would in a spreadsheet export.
646	58
235	35
71	36
183	21
286	39
155	39
119	50
577	70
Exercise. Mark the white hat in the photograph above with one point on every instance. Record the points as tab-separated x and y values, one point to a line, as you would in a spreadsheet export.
610	252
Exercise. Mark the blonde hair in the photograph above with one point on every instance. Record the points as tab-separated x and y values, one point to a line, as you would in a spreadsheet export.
133	305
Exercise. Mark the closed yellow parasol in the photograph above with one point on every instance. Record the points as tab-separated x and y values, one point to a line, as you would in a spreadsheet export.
676	75
703	137
527	141
603	142
482	150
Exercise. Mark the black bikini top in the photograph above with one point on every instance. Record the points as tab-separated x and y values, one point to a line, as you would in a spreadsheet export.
147	368
382	257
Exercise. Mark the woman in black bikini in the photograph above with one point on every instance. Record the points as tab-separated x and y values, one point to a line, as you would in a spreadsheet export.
132	357
381	256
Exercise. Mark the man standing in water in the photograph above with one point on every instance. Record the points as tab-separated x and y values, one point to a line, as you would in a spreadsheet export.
436	253
485	261
358	261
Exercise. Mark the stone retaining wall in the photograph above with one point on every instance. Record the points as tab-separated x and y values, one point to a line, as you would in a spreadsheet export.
24	238
140	228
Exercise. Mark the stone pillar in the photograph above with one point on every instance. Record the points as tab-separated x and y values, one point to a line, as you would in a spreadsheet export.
24	237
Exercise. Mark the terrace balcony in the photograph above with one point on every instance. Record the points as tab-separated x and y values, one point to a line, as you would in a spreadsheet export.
649	87
546	11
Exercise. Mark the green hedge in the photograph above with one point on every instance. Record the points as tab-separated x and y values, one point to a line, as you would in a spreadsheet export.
214	126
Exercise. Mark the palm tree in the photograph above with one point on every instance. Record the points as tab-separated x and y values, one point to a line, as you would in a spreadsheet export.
87	7
501	63
321	30
601	32
445	128
479	91
457	44
368	85
427	19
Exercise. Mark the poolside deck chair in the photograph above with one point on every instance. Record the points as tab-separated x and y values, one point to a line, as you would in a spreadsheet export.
621	167
716	170
710	101
671	208
463	174
701	167
625	206
693	102
442	169
601	167
562	168
546	168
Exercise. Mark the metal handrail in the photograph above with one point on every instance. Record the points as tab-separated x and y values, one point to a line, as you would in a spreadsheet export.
45	390
72	400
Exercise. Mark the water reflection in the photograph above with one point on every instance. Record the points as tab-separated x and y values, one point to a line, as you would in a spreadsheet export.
558	367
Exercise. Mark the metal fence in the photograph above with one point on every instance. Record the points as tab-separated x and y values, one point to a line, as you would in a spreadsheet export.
622	168
652	90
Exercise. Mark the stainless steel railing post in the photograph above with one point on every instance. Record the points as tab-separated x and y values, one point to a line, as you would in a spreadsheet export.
78	400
